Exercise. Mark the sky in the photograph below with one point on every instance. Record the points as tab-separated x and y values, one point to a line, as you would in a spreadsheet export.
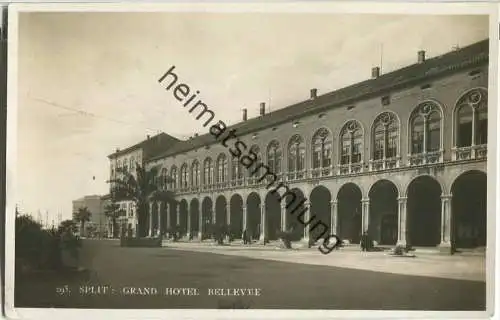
88	81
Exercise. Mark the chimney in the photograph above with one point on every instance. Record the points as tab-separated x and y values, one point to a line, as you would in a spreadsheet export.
195	134
375	72
147	136
262	108
314	93
421	56
244	114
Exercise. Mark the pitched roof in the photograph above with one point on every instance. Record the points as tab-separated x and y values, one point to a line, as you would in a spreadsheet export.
472	55
152	146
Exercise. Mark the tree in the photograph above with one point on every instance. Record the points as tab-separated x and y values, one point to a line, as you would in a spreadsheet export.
68	226
113	212
82	215
140	188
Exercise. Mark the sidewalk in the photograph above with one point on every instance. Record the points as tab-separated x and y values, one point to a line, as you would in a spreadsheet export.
458	267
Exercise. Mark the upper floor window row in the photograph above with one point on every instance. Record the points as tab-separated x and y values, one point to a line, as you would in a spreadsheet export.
425	136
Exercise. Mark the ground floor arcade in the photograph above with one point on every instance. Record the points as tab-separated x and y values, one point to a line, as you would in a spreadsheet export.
444	210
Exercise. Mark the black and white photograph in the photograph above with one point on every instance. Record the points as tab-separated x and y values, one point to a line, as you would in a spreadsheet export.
280	158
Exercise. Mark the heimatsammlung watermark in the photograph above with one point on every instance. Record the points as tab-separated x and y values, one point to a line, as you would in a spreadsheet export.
183	93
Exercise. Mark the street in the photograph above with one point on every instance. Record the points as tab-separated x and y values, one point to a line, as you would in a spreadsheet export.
138	278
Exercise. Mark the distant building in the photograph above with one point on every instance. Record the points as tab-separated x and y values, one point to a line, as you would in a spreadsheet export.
98	221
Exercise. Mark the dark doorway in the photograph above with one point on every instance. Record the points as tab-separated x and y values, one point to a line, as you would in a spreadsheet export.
221	211
207	217
349	212
469	209
294	207
273	216
253	215
321	208
236	211
183	217
424	212
194	210
383	213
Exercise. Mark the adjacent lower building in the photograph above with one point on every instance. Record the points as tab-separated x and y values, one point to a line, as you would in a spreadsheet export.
402	156
98	225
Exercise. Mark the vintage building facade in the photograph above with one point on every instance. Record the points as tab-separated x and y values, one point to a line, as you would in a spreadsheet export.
401	155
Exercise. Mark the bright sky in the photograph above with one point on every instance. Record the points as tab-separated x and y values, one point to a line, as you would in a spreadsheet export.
106	65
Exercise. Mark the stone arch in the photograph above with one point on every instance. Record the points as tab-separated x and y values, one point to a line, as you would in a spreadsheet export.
349	199
469	209
321	208
254	223
424	211
221	210
236	216
383	212
194	215
207	217
273	215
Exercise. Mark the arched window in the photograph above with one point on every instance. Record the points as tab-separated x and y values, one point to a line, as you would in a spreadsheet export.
173	176
195	174
296	157
125	165
274	157
236	170
208	172
164	178
222	166
184	176
112	176
255	170
425	131
471	119
321	149
351	140
385	136
132	164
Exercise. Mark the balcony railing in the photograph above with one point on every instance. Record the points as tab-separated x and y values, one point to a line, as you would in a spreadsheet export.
458	154
469	153
350	168
384	164
425	158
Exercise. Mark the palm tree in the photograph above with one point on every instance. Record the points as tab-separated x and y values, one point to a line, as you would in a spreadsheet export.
140	189
113	212
82	215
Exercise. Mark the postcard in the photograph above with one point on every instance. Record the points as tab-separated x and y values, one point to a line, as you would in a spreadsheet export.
249	161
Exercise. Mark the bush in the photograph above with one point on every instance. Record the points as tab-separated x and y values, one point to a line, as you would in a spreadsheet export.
39	249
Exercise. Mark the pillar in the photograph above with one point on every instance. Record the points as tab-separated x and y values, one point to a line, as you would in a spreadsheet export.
402	201
159	219
200	221
283	217
169	223
365	209
446	216
188	233
262	222
334	217
228	218
213	213
150	233
245	218
306	217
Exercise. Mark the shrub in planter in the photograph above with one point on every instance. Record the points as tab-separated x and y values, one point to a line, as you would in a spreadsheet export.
286	237
141	242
